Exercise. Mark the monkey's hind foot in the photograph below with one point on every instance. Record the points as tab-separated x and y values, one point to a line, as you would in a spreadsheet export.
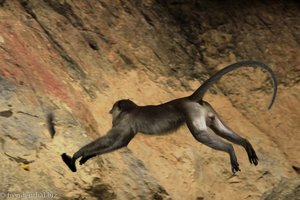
68	160
235	167
235	170
253	159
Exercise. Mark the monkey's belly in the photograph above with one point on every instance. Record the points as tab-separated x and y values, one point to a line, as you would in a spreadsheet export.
161	127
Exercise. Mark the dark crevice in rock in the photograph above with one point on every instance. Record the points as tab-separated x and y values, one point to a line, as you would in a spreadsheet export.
71	63
19	159
100	190
157	196
25	113
6	113
93	45
127	8
2	2
147	18
65	10
78	73
113	12
160	194
296	169
27	8
89	37
127	60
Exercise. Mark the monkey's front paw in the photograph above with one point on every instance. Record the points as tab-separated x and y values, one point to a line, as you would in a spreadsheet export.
251	153
83	160
68	160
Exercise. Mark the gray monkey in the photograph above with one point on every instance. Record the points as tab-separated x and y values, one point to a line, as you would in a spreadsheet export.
129	118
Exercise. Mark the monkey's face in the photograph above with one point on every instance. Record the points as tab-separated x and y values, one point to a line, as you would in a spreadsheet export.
115	110
122	105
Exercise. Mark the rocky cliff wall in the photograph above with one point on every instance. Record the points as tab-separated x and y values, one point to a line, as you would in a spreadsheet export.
76	58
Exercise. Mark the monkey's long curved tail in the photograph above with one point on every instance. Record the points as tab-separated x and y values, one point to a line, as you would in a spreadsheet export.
199	93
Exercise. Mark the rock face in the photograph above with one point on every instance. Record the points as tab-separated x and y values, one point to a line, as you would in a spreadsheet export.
74	59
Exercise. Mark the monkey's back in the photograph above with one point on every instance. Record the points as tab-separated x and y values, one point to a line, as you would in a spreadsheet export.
159	119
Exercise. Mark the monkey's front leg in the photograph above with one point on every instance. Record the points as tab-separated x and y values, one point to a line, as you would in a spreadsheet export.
85	152
110	142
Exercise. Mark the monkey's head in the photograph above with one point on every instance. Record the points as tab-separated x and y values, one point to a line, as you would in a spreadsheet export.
124	105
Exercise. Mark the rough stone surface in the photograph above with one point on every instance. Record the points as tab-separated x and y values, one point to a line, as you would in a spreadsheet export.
74	59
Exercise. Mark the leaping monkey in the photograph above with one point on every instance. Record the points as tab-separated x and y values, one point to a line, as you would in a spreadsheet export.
128	119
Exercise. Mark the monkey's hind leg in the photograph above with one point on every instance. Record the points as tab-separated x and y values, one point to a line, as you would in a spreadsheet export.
197	125
222	130
216	143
